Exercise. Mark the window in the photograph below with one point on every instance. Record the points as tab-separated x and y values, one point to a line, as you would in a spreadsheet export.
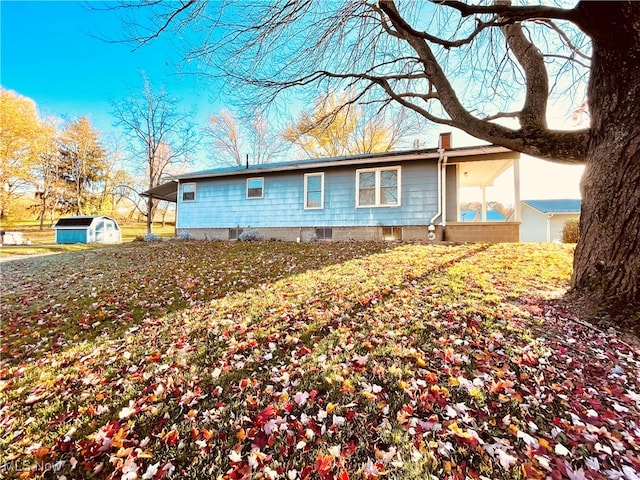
189	192
378	187
234	233
255	187
314	190
392	233
324	233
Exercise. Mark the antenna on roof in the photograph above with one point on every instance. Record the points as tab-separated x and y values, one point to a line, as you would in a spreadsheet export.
247	163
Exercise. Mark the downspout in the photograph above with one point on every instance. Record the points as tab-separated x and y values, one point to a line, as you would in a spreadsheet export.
441	191
549	215
175	225
443	175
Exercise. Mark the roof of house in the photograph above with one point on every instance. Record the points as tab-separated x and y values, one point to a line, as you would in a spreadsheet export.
82	221
168	191
562	205
366	158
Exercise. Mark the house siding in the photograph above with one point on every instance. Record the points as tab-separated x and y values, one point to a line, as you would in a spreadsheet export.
222	203
534	225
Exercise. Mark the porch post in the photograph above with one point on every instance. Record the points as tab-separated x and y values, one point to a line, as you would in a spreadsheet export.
484	203
516	189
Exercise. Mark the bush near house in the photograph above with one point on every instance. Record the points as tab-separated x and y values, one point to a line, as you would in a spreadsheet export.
571	231
274	360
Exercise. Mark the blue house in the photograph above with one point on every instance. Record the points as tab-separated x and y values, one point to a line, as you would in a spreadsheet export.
87	229
409	195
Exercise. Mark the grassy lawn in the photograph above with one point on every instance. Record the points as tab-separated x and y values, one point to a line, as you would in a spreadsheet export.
292	361
43	241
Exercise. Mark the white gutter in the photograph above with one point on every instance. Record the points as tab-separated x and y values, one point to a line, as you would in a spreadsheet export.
443	175
439	213
175	225
442	190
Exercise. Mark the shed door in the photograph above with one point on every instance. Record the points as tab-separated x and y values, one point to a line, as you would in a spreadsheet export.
100	231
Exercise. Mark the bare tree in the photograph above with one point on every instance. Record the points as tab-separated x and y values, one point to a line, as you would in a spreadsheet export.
159	136
466	65
236	141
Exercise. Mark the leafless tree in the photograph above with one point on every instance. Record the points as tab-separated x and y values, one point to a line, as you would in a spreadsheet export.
239	140
467	65
159	135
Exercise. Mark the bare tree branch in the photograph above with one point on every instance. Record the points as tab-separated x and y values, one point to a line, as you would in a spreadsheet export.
508	11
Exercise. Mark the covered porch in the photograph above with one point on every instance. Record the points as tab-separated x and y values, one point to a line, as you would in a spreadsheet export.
482	199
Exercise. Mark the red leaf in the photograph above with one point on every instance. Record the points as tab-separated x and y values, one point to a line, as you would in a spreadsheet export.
323	465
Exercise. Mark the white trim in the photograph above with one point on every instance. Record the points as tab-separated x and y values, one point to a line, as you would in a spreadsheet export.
306	177
183	192
377	186
261	188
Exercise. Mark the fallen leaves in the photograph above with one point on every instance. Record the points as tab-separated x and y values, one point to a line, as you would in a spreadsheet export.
273	360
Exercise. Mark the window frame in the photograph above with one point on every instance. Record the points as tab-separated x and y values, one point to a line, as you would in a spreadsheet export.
249	197
194	192
378	186
306	190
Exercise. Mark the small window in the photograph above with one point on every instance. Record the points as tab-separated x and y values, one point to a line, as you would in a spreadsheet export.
392	233
234	233
324	233
378	187
255	187
313	191
189	192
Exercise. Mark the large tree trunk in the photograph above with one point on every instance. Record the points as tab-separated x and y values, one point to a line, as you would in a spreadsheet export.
607	258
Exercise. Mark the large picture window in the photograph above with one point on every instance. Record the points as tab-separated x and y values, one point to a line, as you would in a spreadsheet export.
189	192
378	187
255	187
313	191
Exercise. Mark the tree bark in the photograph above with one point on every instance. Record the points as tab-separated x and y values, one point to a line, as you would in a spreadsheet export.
150	213
607	258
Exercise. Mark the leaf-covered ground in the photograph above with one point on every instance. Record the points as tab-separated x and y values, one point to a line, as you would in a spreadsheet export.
343	360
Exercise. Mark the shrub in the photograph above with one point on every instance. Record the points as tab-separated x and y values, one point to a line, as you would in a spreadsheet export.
185	235
250	236
571	231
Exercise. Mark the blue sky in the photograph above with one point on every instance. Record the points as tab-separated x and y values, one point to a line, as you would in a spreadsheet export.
52	52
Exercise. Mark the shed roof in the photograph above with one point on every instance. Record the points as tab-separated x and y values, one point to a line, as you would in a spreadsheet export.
80	221
562	205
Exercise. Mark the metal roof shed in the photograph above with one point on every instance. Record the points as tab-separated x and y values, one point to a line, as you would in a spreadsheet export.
87	229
